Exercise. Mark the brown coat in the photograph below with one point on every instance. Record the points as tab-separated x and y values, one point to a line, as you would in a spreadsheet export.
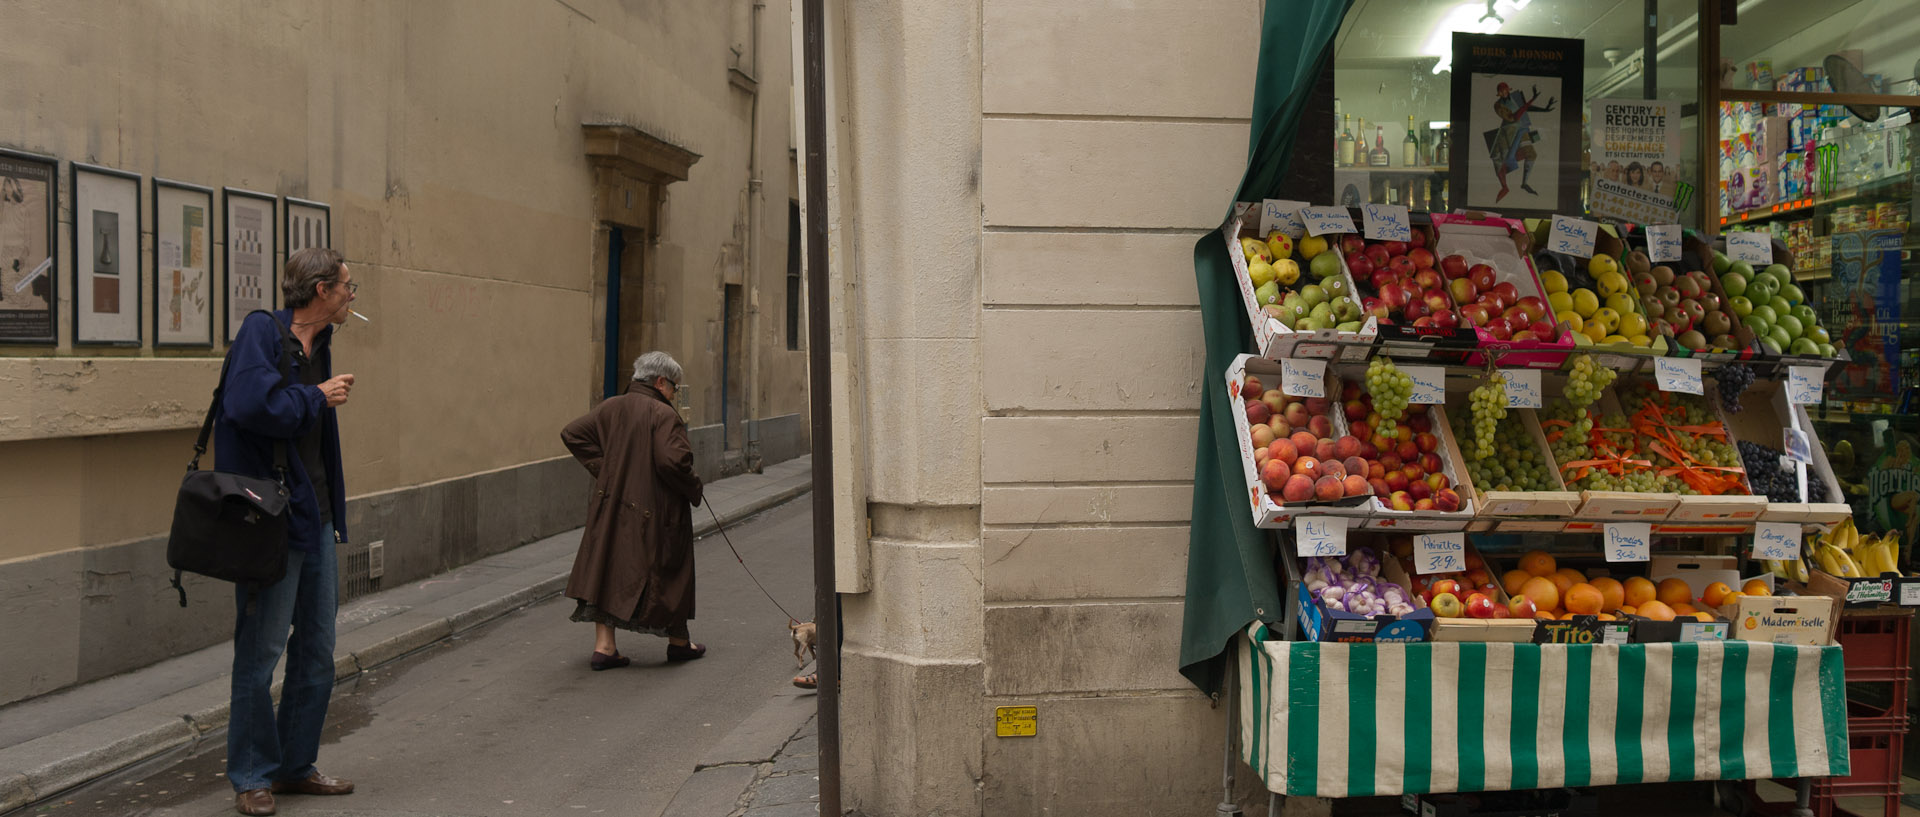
636	556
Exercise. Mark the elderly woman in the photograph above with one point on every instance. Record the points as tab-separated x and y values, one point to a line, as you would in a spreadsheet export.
635	566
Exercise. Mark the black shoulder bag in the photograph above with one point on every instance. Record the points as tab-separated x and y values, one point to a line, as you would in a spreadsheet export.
228	526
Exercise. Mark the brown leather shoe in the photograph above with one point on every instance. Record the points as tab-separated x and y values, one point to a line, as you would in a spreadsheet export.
255	802
315	783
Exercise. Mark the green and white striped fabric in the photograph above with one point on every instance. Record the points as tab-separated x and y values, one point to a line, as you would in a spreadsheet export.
1356	720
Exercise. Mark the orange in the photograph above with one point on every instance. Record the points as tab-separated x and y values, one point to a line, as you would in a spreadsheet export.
1684	609
1567	616
1628	609
1543	616
1584	598
1511	581
1674	591
1657	611
1732	598
1545	595
1716	594
1639	591
1561	582
1703	616
1570	573
1755	587
1538	563
1608	617
1612	593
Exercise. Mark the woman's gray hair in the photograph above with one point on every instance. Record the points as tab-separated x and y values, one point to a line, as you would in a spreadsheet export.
656	364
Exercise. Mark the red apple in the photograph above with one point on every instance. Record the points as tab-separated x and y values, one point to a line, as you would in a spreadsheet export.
1522	607
1535	307
1378	254
1381	278
1454	266
1360	266
1446	319
1396	247
1395	296
1419	239
1463	291
1416	309
1482	276
1475	314
1493	302
1422	257
1401	265
1375	307
1508	292
1524	336
1447	605
1480	607
1427	279
1541	328
1517	320
1425	322
1351	244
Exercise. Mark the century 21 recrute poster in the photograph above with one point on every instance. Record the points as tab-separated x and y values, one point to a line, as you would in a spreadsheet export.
1636	155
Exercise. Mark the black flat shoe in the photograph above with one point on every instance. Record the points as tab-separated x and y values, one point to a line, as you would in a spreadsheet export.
602	661
675	652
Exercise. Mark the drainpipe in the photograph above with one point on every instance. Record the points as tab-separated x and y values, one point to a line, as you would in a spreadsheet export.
826	608
755	218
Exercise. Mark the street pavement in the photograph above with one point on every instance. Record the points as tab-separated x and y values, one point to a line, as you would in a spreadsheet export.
505	719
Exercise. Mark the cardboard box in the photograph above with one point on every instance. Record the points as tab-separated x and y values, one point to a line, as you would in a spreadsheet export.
1268	509
1503	244
1696	571
1647	631
1397	335
1765	411
1557	504
1620	356
1799	620
1697	255
1383	516
1855	593
1272	338
1319	623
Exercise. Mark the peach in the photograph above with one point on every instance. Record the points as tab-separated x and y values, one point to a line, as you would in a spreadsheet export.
1414	473
1320	426
1403	434
1274	474
1418	489
1299	488
1368	452
1438	482
1431	463
1376	471
1424	504
1355	465
1307	466
1257	412
1350	391
1297	415
1304	441
1399	501
1355	485
1323	449
1382	442
1408	451
1348	446
1318	405
1391	461
1260	458
1356	410
1380	488
1333	468
1274	400
1280	427
1329	488
1360	430
1251	388
1284	451
1426	441
1396	481
1262	436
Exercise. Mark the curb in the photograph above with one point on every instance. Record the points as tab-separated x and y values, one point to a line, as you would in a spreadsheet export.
100	748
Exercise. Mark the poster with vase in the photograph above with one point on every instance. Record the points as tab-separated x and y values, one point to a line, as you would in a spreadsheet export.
182	264
106	256
249	237
28	257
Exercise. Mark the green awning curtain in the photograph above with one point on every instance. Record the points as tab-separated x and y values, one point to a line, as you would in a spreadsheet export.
1230	574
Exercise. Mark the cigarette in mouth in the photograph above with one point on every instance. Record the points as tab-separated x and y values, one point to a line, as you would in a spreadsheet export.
361	317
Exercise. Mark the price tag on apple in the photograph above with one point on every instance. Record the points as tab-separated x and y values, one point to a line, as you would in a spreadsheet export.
1429	384
1387	222
1776	540
1805	385
1678	374
1523	388
1320	535
1798	448
1439	553
1303	378
1324	220
1629	541
1573	236
1753	248
1282	215
1663	242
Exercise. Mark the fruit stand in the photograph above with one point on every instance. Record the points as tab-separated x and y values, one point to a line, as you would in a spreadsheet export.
1565	497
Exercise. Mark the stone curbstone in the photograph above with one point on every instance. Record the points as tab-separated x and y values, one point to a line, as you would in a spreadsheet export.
489	610
62	773
388	649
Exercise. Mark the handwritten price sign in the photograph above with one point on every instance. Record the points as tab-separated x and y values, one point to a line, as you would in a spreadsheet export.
1776	540
1303	378
1523	389
1282	215
1805	385
1387	222
1320	535
1324	220
1678	374
1753	248
1439	553
1429	384
1663	242
1629	541
1573	236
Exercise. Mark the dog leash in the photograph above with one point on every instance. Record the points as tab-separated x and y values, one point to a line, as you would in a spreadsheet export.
743	563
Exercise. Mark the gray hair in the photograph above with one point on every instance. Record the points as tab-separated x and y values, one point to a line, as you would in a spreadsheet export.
305	271
654	365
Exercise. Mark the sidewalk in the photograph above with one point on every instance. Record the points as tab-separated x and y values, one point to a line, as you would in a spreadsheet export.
768	767
65	739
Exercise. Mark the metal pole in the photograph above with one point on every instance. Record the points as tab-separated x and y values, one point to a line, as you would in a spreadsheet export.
1650	52
826	610
1226	807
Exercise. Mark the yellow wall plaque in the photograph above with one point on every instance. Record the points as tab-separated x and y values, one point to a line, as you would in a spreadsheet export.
1016	721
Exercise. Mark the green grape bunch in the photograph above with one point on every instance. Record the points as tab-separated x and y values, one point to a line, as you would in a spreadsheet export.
1586	379
1391	390
1488	402
1516	465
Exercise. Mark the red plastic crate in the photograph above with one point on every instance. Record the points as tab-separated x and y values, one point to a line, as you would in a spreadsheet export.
1874	648
1876	773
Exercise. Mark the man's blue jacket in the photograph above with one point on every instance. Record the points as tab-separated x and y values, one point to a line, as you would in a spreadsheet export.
258	412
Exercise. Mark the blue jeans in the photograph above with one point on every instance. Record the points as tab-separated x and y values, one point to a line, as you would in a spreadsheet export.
263	747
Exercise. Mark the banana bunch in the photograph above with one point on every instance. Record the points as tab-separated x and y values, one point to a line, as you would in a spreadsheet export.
1843	552
1791	569
1879	554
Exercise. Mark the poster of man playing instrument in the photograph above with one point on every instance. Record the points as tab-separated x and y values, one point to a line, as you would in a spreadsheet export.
1518	100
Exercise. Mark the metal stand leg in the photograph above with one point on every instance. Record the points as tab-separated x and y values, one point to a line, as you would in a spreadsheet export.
1803	798
1227	808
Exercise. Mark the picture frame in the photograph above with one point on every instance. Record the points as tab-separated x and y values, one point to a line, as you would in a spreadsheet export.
1538	169
307	224
250	279
107	285
183	301
29	249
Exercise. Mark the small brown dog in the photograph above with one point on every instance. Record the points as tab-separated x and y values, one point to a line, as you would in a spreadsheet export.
803	639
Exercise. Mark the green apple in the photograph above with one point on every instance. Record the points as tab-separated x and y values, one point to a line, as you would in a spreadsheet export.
1742	307
1721	262
1734	283
1758	323
1766	313
1818	334
1780	306
1780	274
1806	316
1804	346
1792	325
1780	337
1768	344
1793	294
1740	268
1827	350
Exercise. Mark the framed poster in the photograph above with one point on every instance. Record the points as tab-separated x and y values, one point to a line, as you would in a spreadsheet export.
1516	105
309	224
106	256
182	264
250	279
28	263
1636	160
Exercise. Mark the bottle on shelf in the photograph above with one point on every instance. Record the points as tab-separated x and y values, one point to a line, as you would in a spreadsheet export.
1410	148
1443	150
1346	144
1379	157
1359	142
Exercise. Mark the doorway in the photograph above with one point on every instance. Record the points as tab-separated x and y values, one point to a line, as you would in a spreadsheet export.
628	334
732	371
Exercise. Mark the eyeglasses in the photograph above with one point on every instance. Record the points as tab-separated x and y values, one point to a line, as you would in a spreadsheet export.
353	287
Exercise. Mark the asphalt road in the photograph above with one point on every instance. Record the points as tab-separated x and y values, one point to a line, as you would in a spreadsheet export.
507	720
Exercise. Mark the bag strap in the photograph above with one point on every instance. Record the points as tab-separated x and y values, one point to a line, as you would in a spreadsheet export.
287	341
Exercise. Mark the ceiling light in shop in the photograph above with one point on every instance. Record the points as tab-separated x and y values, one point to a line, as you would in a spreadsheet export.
1478	18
